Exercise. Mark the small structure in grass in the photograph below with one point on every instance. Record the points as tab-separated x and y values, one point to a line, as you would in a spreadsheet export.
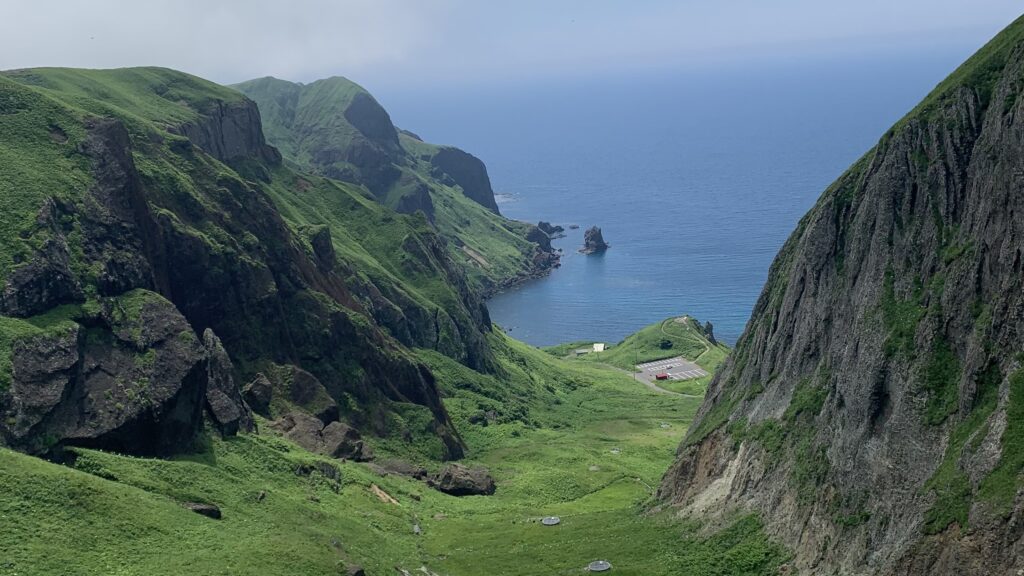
616	451
599	566
551	521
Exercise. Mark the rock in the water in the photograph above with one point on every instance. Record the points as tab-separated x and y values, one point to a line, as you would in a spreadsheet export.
593	241
458	480
228	411
551	230
208	510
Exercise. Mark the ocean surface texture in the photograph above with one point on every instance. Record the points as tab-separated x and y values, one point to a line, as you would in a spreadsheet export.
696	179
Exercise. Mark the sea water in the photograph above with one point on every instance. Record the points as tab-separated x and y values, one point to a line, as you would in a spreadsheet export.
695	178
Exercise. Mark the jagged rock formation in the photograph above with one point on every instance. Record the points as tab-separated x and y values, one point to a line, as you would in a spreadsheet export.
593	241
872	410
553	231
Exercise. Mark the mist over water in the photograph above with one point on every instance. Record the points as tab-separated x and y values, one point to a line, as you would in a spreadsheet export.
696	179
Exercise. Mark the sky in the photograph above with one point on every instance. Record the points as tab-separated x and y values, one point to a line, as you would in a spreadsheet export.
409	43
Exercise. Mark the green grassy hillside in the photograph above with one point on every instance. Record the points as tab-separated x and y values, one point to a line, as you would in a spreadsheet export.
551	456
669	338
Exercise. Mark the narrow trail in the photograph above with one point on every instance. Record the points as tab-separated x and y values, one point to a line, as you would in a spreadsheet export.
707	345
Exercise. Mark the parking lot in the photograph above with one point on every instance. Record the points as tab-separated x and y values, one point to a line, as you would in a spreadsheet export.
677	368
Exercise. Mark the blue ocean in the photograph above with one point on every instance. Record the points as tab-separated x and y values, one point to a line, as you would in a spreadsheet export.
695	177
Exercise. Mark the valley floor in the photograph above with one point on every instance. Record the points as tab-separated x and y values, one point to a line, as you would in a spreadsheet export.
590	447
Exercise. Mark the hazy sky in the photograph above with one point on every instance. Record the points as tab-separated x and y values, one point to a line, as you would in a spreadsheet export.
396	42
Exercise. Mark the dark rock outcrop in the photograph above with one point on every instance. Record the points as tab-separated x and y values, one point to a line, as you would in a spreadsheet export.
553	231
227	409
208	510
229	131
258	394
867	412
458	480
593	241
130	377
468	172
539	237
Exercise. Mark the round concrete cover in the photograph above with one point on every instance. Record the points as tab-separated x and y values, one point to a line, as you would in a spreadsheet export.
551	520
599	566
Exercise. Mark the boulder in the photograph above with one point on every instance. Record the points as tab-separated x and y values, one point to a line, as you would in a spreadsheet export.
258	394
337	439
458	480
208	510
343	441
593	241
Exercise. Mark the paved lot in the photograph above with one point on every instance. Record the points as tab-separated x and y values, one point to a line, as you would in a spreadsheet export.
677	368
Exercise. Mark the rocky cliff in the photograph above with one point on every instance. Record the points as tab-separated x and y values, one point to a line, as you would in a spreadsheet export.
336	128
873	410
144	280
467	172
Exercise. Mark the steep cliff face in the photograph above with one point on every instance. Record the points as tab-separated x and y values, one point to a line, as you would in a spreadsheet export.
467	172
335	128
872	410
278	273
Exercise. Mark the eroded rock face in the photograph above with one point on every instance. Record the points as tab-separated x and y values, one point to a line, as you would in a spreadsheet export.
229	131
458	480
228	410
132	379
467	172
882	351
593	241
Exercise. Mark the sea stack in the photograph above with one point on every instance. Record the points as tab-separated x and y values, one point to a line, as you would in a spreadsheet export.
593	241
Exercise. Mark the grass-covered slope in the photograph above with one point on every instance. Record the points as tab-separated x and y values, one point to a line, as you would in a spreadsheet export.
553	455
335	128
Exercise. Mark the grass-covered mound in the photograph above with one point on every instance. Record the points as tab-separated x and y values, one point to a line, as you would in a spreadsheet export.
682	336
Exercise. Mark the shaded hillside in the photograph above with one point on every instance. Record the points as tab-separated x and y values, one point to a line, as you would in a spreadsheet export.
138	205
872	409
335	128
